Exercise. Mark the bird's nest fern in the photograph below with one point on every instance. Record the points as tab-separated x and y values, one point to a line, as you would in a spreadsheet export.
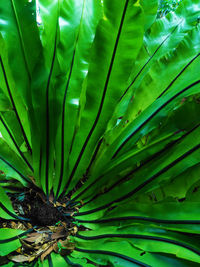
99	133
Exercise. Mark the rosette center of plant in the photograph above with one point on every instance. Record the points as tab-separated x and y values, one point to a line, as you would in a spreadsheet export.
42	212
48	224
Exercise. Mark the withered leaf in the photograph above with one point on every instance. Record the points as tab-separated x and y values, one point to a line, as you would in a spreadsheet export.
19	258
61	232
32	179
37	238
25	244
32	237
47	252
66	244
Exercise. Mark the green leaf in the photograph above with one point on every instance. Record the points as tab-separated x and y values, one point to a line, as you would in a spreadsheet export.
12	165
188	74
148	239
150	10
9	240
53	260
165	35
117	43
99	103
147	147
122	253
4	101
6	209
15	126
81	27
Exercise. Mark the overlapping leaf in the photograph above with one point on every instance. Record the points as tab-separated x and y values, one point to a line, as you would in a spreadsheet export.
100	100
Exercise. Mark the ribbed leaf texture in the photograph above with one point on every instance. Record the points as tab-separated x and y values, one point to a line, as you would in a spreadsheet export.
100	103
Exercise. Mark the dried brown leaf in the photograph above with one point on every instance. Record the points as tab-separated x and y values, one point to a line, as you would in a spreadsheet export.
44	246
41	239
32	237
46	252
32	179
19	250
51	198
19	258
61	232
55	247
67	244
31	258
37	238
58	235
13	225
29	225
25	244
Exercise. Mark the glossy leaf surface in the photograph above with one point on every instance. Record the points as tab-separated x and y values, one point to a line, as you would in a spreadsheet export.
100	102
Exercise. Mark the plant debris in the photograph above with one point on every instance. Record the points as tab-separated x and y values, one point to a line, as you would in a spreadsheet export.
34	205
52	225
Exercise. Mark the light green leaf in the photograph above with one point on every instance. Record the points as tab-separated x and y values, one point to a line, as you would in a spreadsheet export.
6	209
9	240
